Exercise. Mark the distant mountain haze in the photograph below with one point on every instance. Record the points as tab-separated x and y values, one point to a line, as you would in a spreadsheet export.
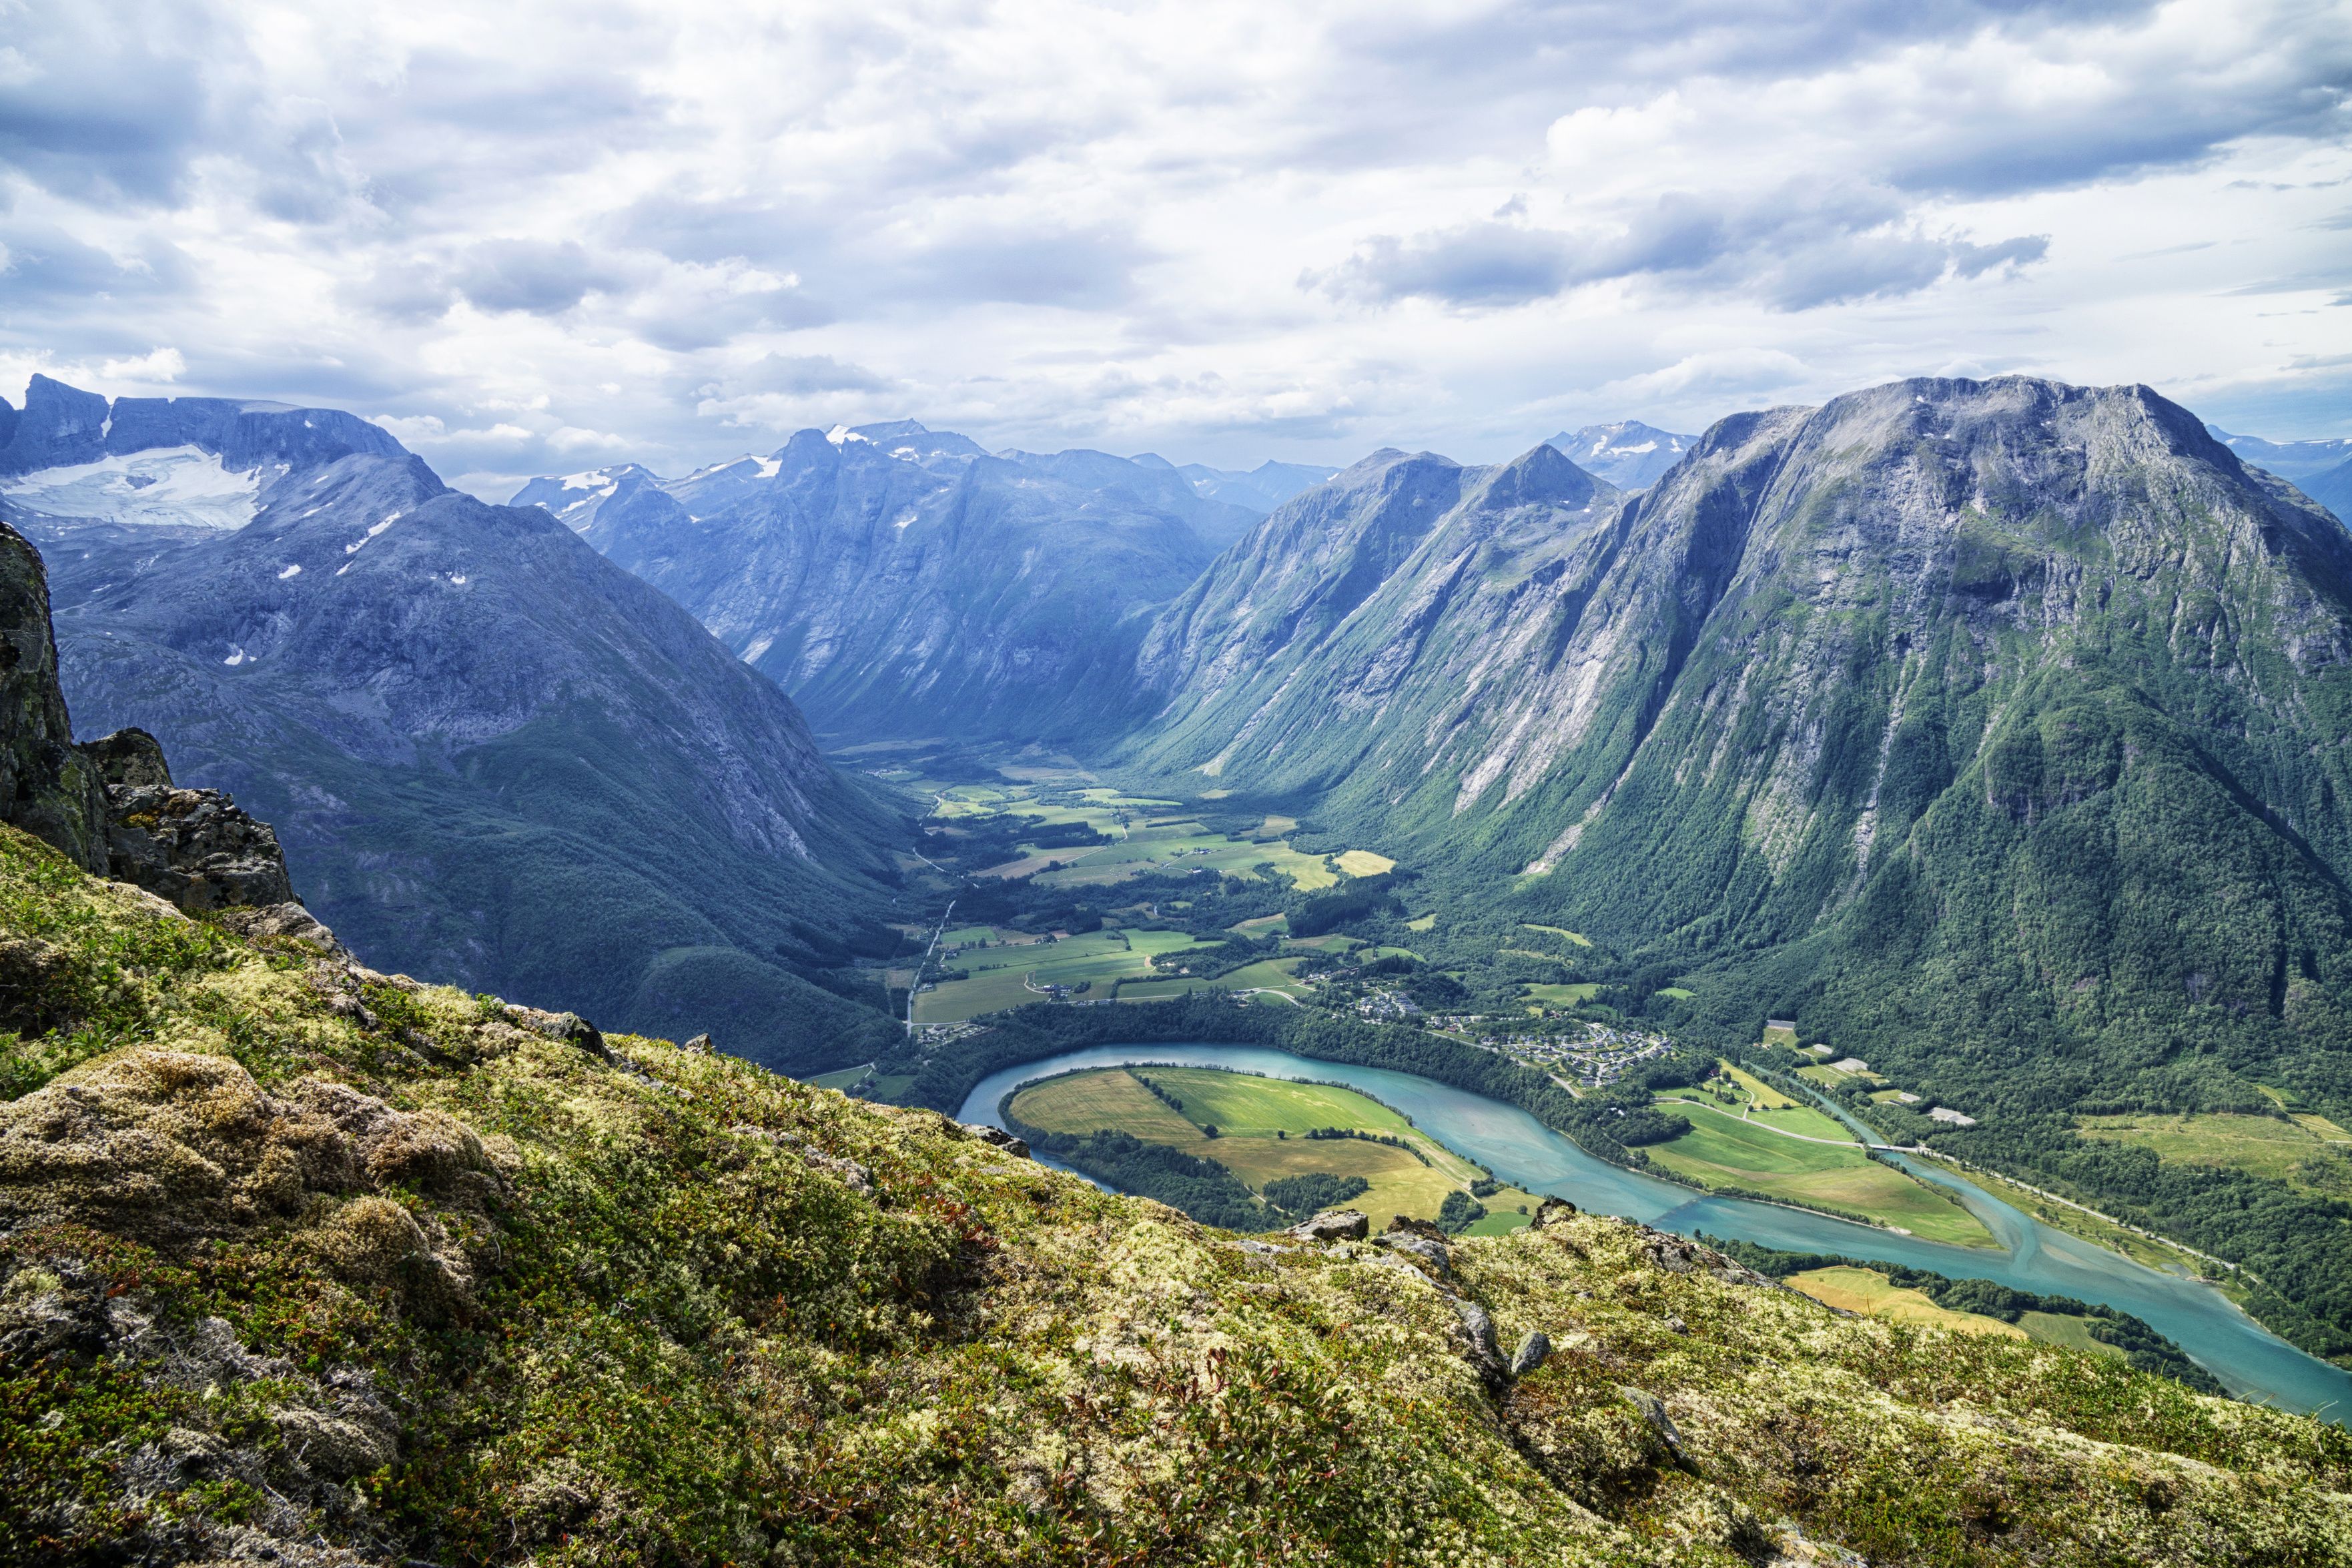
491	754
904	583
1628	454
2295	461
1260	490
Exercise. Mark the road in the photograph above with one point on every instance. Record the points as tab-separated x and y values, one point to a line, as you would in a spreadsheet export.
932	946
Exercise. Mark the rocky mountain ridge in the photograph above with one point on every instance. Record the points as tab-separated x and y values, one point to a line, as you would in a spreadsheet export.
901	581
471	730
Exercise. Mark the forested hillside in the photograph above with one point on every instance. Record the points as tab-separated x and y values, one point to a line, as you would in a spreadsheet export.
1995	731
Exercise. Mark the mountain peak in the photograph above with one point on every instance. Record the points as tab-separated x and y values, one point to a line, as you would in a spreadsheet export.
1627	453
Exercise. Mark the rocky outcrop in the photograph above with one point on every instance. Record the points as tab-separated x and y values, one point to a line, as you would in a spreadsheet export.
46	786
490	754
194	847
110	805
1332	1225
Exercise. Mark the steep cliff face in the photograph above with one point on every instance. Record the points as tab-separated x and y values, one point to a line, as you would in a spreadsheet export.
899	581
490	754
1371	619
46	786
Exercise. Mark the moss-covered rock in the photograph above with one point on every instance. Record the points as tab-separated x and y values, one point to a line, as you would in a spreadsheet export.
299	1258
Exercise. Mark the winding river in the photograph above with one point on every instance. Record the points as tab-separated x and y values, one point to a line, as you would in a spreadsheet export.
2250	1362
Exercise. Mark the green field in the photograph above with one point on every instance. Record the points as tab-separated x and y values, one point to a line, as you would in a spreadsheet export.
842	1080
2309	1153
1868	1292
1754	1100
1562	932
999	975
1560	995
1146	832
1272	974
2066	1329
1718	1151
1261	1123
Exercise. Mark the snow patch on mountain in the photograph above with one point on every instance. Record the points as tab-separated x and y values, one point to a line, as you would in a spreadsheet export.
170	487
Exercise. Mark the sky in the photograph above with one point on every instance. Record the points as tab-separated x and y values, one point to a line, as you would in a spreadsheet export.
534	238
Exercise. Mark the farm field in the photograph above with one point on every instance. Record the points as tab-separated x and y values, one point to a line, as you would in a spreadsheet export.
1272	974
1718	1151
1560	995
841	1079
2309	1153
1868	1292
2064	1329
1146	832
1262	1124
1562	932
998	974
1758	1102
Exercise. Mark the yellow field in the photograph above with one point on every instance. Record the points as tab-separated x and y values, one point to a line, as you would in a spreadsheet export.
1249	1113
999	977
1423	922
1362	863
1762	1094
1722	1152
1089	1102
1866	1291
2309	1153
1562	932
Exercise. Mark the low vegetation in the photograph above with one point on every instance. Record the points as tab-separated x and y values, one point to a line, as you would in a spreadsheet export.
306	1262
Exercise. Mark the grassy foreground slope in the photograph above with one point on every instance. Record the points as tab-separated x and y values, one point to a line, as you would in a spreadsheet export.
303	1262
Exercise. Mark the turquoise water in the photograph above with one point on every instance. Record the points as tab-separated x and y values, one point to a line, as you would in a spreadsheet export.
2250	1361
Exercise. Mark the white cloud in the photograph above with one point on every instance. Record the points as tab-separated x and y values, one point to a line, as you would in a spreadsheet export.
643	229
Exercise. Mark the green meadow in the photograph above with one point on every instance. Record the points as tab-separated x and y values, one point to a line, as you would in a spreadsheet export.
1261	1135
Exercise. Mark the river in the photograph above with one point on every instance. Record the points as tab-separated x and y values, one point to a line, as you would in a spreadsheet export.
2250	1361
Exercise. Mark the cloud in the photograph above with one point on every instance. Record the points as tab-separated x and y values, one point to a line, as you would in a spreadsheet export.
1184	224
530	275
1794	249
797	373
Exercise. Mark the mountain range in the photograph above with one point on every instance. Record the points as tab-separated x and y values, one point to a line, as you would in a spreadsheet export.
904	583
490	754
1992	729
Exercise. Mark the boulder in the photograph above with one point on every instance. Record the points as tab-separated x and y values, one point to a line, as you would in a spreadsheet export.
194	848
1017	1147
1417	1243
569	1028
1333	1224
1653	1410
129	757
289	919
1551	1211
1535	1348
1480	1348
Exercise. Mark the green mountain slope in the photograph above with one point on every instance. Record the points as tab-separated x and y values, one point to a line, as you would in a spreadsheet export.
301	1263
1995	731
